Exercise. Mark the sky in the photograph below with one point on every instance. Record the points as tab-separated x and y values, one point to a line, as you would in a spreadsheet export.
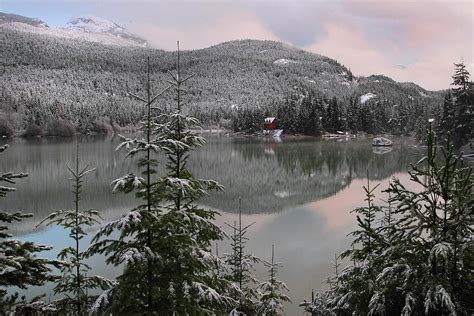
407	40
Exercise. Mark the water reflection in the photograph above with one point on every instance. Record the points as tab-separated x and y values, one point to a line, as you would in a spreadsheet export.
269	176
299	193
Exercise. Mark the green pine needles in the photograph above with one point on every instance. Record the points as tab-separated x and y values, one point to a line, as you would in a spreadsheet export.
165	242
271	296
418	258
241	269
74	282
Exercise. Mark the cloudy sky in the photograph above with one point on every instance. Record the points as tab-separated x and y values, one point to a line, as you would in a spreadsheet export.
408	40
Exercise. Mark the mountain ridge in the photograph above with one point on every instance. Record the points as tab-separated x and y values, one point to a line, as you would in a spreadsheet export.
47	77
87	28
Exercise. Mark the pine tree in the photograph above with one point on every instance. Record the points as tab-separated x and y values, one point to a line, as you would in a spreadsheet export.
352	115
241	266
187	259
458	108
418	260
75	282
334	120
271	297
353	288
436	223
463	93
19	265
460	79
447	119
136	245
166	241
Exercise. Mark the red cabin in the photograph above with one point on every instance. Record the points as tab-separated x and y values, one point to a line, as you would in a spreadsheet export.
270	123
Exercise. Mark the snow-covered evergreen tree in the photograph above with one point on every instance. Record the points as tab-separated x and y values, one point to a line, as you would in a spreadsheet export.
271	296
19	265
165	242
187	230
458	107
434	231
353	288
241	265
74	282
419	259
136	245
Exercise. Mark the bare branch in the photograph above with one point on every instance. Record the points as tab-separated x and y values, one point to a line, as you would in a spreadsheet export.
137	97
172	75
188	77
160	93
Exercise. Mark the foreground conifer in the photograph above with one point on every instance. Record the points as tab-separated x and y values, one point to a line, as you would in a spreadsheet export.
74	282
241	266
165	242
19	265
420	259
271	296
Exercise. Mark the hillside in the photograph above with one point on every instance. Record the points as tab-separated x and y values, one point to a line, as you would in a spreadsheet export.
45	77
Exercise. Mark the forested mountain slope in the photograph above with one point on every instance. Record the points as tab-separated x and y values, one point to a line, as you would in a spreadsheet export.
46	77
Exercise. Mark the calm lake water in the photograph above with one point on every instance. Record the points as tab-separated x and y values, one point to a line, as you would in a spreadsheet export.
299	193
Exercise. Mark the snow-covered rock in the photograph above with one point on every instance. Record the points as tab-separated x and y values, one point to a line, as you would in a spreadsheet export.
366	97
284	61
381	141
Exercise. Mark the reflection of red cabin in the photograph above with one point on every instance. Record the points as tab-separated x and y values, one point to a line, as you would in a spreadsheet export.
270	123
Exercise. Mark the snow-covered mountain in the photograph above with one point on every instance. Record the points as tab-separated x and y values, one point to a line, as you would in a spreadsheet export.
95	25
92	24
86	28
15	18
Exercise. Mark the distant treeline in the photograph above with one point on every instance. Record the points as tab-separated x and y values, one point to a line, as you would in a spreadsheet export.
313	114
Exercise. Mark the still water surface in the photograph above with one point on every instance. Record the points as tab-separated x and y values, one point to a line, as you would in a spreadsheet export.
299	193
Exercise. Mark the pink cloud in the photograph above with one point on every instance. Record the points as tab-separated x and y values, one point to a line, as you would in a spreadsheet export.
432	42
370	37
238	24
349	45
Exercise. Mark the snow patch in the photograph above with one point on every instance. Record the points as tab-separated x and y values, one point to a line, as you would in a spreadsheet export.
366	97
284	61
282	194
424	95
92	24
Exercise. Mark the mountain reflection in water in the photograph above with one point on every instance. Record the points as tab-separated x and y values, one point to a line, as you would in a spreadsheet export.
299	193
269	176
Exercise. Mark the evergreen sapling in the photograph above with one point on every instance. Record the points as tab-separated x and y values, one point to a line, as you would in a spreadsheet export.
74	283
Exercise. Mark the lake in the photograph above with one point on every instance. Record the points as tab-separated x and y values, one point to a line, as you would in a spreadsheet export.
299	193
